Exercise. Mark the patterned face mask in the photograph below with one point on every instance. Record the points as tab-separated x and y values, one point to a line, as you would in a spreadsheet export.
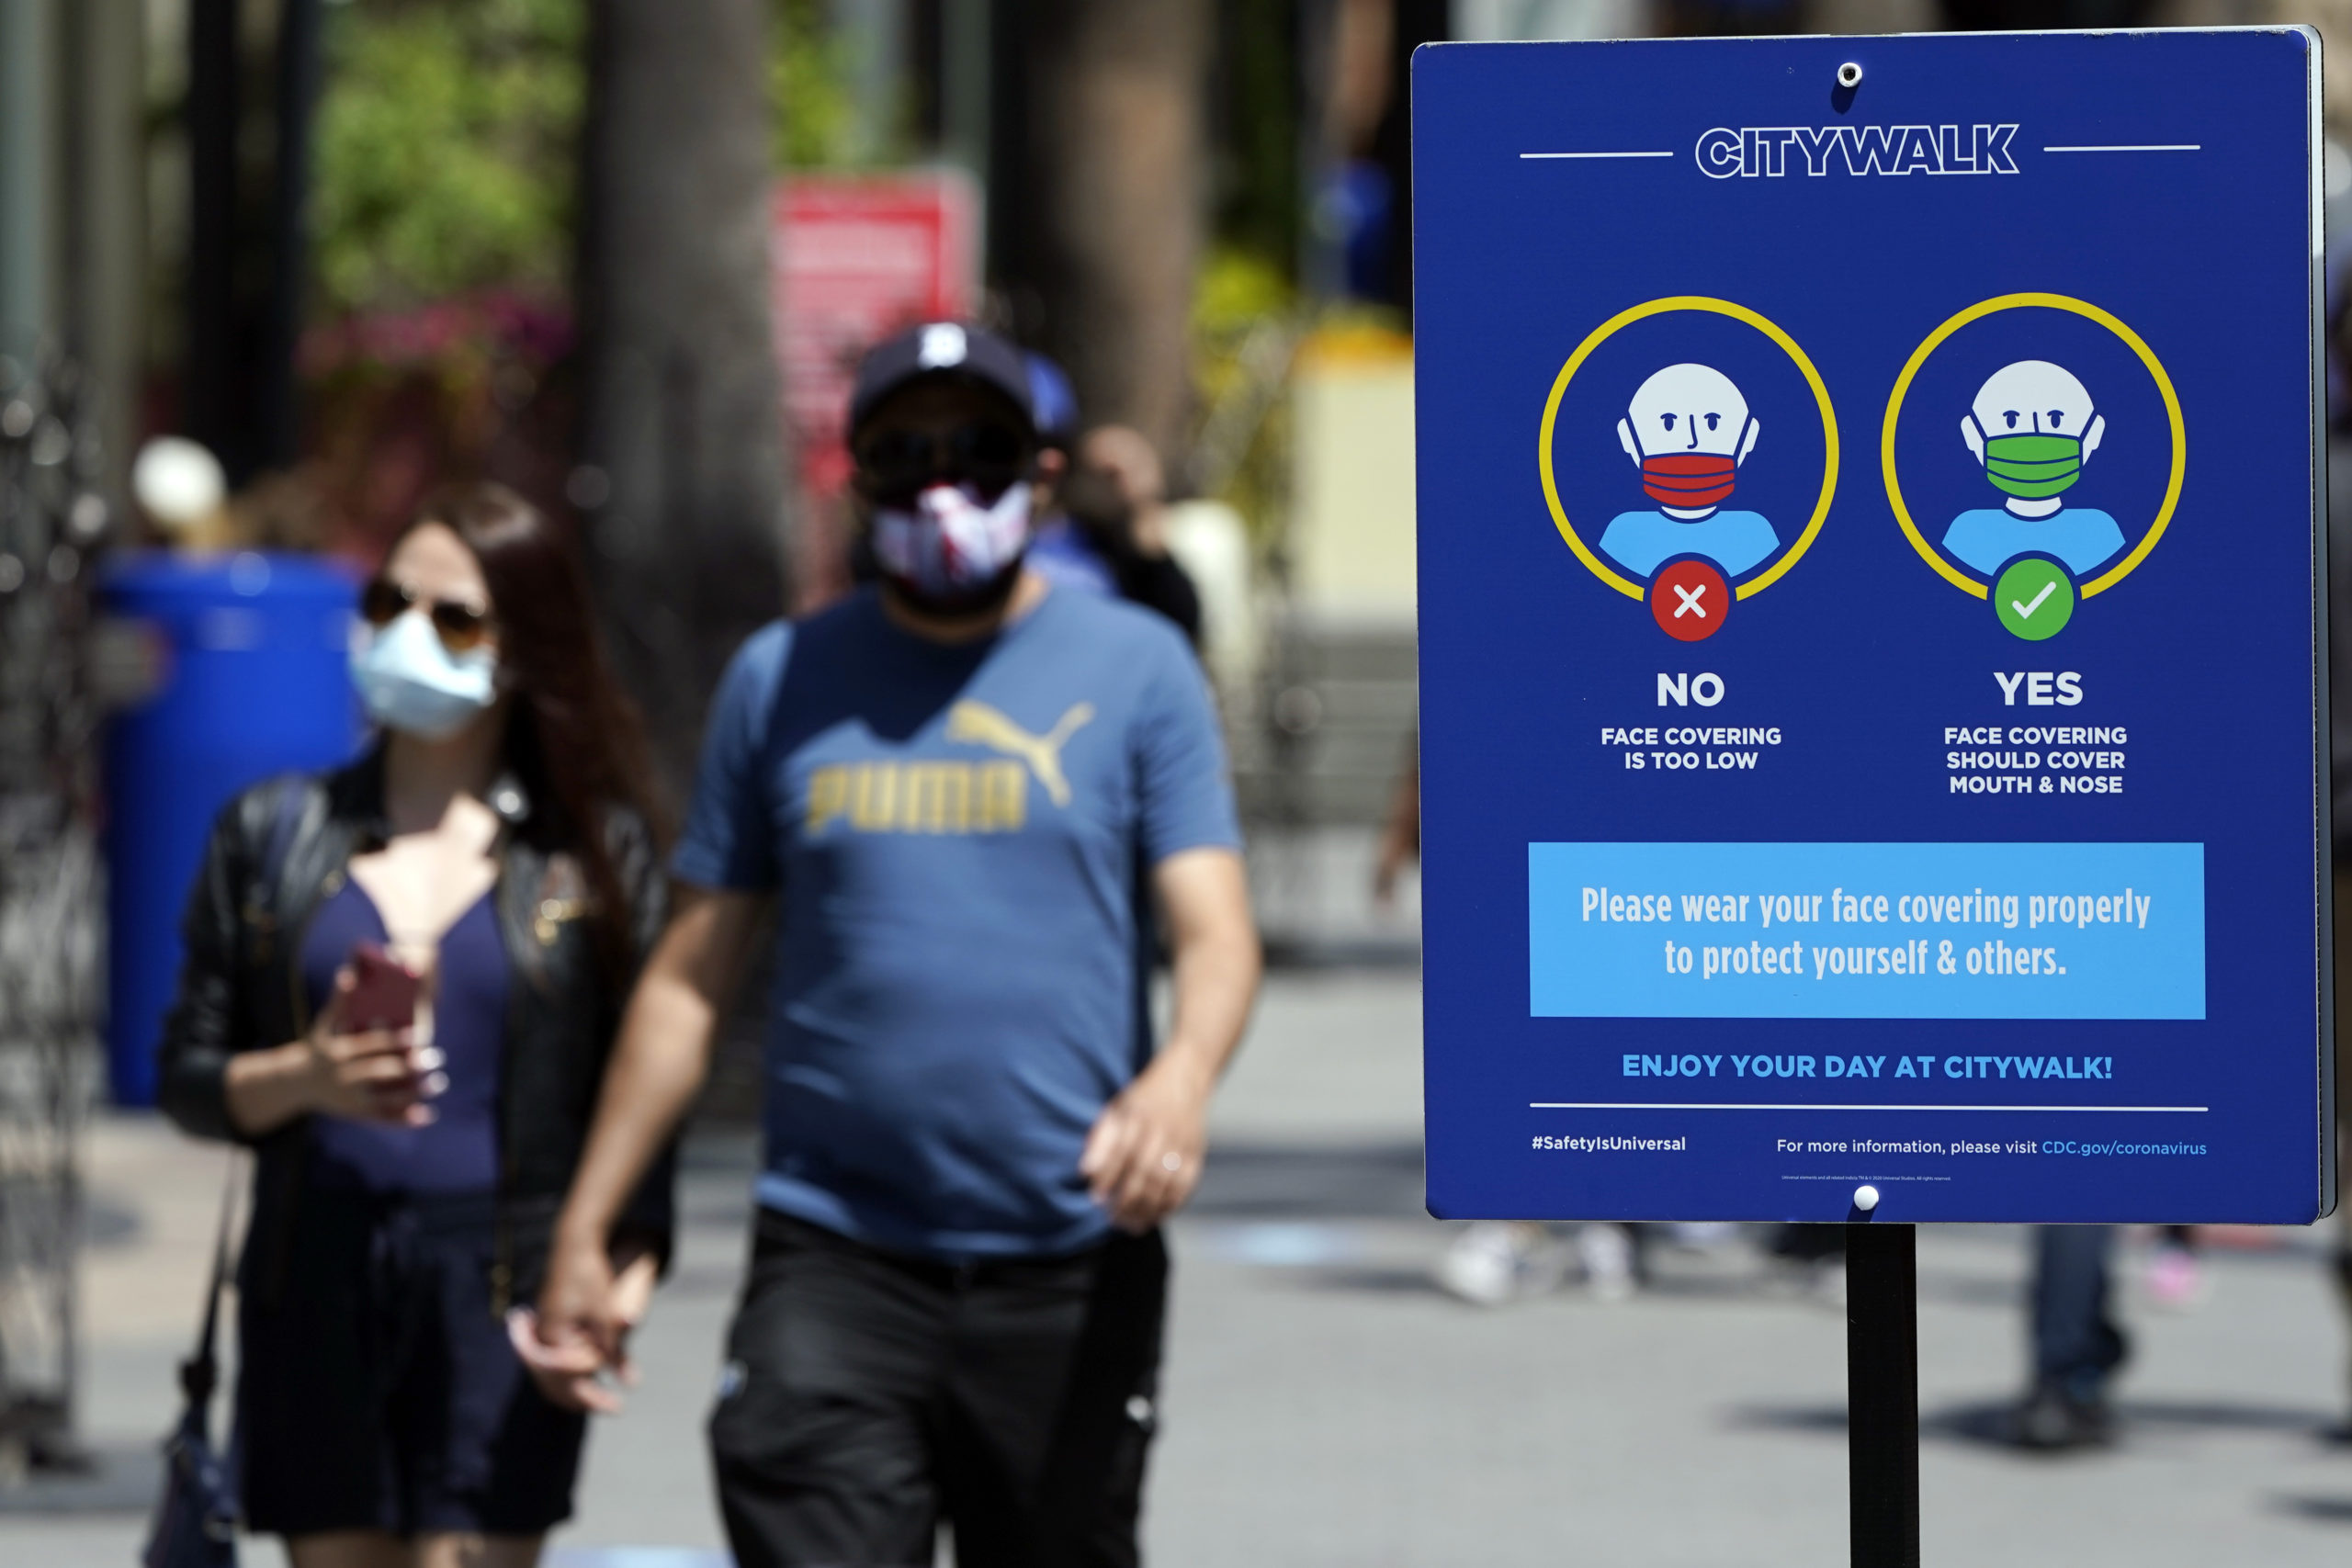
951	544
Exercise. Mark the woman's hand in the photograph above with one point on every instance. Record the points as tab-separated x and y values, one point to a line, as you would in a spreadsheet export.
582	1326
373	1075
376	1075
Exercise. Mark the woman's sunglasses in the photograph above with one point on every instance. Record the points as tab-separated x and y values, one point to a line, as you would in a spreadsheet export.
895	464
462	627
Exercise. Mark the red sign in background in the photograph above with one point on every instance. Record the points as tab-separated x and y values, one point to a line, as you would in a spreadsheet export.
853	258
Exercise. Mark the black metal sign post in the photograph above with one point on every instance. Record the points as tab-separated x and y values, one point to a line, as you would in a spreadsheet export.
1882	1393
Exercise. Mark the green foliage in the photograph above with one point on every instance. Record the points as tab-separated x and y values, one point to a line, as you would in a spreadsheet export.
809	87
1236	289
1246	321
448	140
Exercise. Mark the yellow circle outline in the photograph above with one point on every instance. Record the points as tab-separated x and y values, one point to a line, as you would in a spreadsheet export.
1661	307
2083	308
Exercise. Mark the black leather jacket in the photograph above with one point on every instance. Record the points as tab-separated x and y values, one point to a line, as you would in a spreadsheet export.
241	989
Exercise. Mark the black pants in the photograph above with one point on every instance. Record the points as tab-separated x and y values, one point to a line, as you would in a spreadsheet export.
869	1396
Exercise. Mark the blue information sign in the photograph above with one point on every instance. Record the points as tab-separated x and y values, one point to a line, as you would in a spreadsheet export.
1872	676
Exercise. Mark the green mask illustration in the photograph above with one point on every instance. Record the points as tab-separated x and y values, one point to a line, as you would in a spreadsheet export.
2033	467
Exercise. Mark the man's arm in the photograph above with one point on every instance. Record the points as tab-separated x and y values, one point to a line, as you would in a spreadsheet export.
1143	1158
656	1066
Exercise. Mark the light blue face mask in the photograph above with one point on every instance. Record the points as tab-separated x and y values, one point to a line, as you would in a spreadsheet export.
409	682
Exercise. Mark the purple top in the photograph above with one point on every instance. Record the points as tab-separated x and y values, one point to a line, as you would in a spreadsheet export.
458	1152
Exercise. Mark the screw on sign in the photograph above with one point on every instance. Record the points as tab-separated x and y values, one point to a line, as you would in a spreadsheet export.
1690	599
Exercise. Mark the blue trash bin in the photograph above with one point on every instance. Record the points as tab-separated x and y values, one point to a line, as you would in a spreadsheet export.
251	652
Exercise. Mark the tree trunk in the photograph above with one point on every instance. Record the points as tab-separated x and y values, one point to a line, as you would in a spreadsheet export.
106	242
682	470
211	390
1113	165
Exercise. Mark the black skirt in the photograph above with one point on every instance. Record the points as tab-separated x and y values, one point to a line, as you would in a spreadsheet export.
377	1389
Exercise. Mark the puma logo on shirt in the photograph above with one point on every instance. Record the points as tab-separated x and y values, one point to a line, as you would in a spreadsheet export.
984	726
947	796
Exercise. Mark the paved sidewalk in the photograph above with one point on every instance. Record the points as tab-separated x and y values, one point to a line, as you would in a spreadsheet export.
1325	1405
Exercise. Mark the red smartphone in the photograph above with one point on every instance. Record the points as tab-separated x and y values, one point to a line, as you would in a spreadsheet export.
385	993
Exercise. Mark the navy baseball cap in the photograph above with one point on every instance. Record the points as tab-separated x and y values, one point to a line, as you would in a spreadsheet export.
948	350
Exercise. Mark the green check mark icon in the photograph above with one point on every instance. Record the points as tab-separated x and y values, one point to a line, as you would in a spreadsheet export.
2034	599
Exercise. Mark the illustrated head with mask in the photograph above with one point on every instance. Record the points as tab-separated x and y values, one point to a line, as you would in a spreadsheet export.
949	472
2033	427
1688	431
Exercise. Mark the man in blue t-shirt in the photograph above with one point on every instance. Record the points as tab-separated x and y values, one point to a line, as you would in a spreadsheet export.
951	785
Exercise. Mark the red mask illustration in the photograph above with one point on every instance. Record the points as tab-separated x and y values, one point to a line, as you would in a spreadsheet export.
1690	481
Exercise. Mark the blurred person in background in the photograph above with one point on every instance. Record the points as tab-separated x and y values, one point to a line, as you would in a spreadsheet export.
2174	1280
954	779
1400	833
498	840
1058	551
2078	1346
1106	532
2339	616
1118	499
1493	1262
2342	1432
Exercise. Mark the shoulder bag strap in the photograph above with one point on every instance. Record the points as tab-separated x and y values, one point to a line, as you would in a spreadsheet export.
200	1373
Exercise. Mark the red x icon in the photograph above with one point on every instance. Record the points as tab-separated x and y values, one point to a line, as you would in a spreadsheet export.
1690	599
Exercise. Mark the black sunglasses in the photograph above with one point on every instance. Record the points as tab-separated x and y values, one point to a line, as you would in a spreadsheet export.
462	627
897	463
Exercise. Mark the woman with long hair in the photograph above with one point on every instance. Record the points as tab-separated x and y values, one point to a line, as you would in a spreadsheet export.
402	980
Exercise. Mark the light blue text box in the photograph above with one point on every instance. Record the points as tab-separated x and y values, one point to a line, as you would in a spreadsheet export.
1592	953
